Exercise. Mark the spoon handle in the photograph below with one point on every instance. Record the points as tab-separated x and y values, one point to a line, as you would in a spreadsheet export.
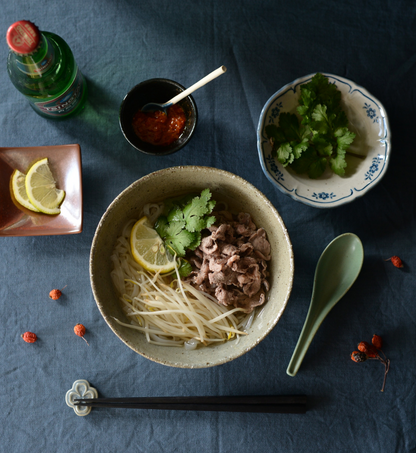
310	327
213	75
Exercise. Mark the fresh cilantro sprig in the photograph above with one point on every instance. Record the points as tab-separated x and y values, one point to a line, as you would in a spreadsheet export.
320	137
181	225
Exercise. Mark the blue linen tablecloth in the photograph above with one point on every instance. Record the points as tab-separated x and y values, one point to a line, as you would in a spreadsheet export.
265	45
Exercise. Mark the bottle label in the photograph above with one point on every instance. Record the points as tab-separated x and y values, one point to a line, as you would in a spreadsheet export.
65	103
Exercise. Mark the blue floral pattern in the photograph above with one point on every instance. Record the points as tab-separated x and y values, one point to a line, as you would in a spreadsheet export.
274	114
371	113
274	168
324	196
373	168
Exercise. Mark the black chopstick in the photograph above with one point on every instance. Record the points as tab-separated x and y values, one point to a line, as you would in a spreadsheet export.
295	404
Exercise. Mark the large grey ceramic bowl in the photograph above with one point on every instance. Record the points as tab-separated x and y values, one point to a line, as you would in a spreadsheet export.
169	182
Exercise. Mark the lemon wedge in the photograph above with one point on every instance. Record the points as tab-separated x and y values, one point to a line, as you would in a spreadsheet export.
18	187
41	188
148	249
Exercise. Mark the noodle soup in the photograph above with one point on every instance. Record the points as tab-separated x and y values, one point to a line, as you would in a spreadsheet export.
171	182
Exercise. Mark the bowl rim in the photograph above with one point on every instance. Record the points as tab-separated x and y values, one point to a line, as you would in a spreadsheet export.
292	193
270	325
168	82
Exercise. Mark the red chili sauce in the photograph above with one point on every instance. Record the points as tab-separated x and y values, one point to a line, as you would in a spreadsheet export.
158	128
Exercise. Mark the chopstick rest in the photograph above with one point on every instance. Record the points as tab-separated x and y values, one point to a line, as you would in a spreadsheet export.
82	397
80	389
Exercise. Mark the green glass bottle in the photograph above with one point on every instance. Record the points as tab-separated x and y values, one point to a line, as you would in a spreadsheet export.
41	66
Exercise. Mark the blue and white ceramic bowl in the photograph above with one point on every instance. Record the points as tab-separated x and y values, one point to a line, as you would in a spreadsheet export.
368	120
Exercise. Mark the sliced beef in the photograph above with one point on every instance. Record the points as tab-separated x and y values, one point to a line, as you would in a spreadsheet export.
260	244
224	233
208	246
231	262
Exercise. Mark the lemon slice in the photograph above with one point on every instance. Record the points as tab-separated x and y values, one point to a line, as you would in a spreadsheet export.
148	249
19	190
41	188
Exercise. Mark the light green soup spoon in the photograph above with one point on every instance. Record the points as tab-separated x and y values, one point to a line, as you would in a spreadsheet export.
336	271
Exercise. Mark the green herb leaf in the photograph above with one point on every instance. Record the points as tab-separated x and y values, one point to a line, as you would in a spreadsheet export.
319	137
175	215
344	137
161	226
181	227
302	165
185	268
275	133
322	145
285	154
317	168
319	91
177	238
300	148
338	163
289	124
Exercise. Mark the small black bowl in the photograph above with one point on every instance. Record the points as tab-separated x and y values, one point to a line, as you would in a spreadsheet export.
159	91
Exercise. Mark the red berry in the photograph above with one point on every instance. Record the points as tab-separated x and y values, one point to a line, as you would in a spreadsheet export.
358	356
377	341
396	261
368	349
29	337
80	330
55	294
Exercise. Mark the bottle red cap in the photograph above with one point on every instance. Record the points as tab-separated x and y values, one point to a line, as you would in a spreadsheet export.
23	37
